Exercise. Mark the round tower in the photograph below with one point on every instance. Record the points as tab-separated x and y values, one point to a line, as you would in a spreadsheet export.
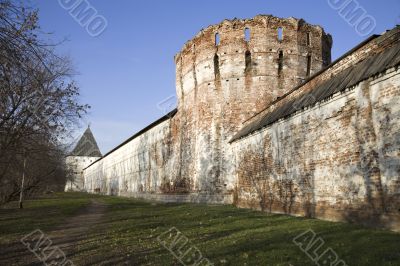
228	73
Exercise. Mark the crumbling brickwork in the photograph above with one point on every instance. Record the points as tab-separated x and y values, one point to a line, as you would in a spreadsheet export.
225	77
336	158
337	161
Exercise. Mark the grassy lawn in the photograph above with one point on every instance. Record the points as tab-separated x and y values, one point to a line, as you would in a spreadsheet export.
225	235
44	214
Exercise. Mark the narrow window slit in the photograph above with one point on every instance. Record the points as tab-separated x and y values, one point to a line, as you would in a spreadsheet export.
217	39
280	63
280	34
248	60
308	65
216	65
247	34
308	39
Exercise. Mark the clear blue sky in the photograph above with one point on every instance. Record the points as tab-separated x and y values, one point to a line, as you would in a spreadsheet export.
129	69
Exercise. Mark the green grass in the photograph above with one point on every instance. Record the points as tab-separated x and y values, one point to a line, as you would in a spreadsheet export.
225	235
230	236
43	213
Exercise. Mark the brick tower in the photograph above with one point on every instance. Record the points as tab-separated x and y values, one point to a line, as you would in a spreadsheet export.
228	73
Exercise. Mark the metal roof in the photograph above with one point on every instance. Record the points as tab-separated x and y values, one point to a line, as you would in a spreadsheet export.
86	146
144	130
347	78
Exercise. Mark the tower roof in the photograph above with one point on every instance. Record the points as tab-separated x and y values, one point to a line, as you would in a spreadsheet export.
87	146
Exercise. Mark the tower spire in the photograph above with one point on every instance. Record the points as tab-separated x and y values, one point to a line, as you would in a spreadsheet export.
87	145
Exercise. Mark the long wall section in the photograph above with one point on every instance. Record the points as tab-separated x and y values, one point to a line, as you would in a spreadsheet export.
148	165
339	160
141	164
328	147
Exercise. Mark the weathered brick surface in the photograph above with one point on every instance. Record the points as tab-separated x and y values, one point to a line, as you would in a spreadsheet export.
213	103
338	160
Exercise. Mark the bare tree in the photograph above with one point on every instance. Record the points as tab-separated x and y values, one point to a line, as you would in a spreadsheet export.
38	103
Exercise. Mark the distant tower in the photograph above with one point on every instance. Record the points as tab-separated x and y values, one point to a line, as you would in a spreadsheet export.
85	152
228	73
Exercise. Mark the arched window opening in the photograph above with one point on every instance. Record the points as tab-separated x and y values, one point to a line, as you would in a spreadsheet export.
280	63
217	39
216	65
247	34
248	60
280	34
308	65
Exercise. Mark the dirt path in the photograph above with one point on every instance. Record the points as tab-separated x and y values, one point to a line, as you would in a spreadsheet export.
65	237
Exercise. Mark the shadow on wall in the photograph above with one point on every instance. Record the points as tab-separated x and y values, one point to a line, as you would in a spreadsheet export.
378	140
267	174
277	174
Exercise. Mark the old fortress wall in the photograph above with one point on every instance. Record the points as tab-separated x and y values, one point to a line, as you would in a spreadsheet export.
262	122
